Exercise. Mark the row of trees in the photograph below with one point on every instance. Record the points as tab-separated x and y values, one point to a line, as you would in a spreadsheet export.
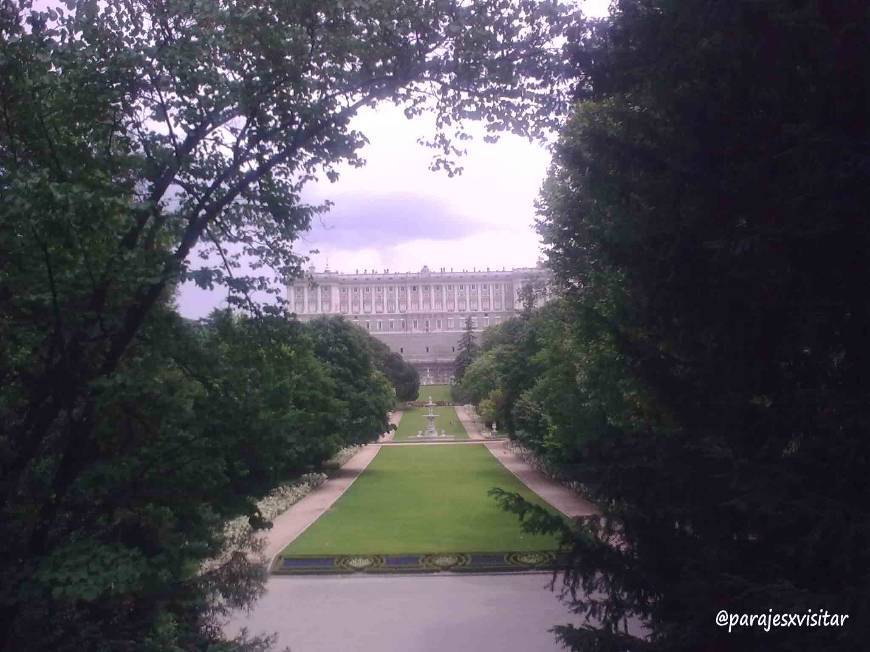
705	376
200	421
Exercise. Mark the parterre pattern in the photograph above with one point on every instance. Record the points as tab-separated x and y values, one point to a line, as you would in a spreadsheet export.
458	562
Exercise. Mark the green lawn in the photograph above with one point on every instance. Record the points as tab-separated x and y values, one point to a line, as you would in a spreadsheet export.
414	420
416	499
437	392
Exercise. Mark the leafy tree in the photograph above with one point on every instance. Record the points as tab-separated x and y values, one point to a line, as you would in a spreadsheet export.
198	424
703	212
486	409
402	375
134	133
480	378
507	365
366	394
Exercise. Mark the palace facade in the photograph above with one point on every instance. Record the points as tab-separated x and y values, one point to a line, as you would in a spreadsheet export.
420	315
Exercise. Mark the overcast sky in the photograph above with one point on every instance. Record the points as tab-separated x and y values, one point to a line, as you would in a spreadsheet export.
394	213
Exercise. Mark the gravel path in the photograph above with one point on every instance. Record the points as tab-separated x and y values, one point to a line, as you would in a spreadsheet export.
293	522
444	613
472	426
562	498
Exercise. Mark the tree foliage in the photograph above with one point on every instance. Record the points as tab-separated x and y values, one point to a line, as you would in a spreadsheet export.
707	381
198	423
525	378
402	375
467	350
365	391
136	133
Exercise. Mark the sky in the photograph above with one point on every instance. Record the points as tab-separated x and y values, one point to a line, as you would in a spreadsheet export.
395	213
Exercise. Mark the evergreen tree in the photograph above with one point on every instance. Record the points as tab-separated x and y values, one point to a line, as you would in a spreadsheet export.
707	212
467	351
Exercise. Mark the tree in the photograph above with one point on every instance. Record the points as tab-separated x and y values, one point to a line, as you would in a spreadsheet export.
467	351
702	212
199	423
402	375
135	133
481	376
366	393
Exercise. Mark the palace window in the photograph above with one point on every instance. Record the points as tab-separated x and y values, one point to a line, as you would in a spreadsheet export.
379	326
391	324
368	326
415	324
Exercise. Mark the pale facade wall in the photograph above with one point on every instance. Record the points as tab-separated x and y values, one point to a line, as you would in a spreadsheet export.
420	315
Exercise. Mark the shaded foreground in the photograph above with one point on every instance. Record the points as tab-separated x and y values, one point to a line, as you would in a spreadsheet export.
489	613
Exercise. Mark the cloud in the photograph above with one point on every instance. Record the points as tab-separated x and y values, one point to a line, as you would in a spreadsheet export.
396	213
362	220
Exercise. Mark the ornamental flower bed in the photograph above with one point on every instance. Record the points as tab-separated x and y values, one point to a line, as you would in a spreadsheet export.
275	503
422	404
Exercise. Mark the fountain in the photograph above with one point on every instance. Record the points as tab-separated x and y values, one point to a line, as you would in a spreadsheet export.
430	431
430	420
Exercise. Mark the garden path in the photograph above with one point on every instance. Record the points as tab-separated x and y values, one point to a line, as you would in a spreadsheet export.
472	425
365	613
559	496
289	525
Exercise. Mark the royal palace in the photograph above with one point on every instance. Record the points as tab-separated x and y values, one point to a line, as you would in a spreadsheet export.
420	315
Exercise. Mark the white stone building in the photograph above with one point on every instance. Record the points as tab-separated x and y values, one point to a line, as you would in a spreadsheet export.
420	315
